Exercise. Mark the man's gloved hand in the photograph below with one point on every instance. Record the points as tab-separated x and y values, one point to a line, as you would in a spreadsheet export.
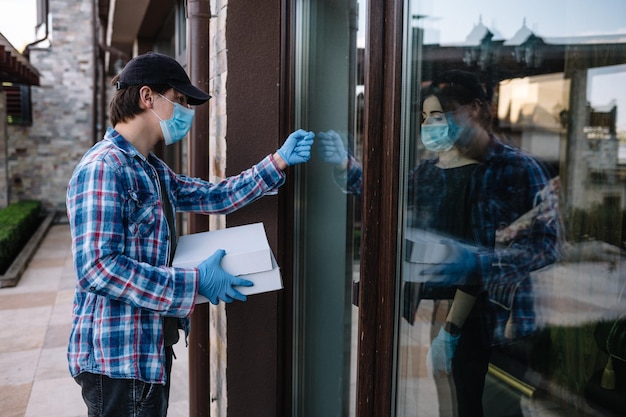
217	284
457	269
332	149
297	147
441	352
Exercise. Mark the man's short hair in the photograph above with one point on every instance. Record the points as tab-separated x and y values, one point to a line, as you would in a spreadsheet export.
125	103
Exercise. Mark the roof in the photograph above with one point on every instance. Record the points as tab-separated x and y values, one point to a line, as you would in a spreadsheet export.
14	67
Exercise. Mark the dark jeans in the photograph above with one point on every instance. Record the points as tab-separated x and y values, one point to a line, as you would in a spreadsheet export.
109	397
469	367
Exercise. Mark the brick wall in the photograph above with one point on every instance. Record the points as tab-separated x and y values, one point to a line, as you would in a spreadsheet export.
41	157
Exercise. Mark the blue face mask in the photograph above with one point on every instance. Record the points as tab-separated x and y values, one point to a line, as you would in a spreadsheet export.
175	128
436	138
440	137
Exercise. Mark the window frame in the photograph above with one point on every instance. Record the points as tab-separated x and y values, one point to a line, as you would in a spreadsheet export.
381	179
19	109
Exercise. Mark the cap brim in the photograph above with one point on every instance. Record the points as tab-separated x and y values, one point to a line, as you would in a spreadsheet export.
194	95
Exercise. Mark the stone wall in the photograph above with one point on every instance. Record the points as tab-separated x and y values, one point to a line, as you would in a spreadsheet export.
217	168
41	157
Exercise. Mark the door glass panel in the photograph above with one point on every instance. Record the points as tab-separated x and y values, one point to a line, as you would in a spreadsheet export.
512	286
329	96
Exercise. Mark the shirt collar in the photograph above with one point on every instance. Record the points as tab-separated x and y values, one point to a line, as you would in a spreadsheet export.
122	144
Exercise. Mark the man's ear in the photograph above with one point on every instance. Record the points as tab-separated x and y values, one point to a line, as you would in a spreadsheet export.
476	106
146	96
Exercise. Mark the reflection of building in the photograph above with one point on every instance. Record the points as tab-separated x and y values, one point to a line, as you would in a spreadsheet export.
532	114
540	85
529	113
605	179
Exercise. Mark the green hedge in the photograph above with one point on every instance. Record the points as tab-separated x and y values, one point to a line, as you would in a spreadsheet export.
18	222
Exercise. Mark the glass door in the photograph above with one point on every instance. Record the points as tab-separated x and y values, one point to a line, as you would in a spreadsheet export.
513	136
329	95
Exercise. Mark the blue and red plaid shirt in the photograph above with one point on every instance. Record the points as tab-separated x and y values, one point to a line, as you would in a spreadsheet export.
121	248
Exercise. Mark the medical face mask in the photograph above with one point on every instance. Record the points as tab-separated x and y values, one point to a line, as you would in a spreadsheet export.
440	137
436	138
175	128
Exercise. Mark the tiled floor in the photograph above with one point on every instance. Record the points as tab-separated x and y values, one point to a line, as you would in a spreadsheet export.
35	319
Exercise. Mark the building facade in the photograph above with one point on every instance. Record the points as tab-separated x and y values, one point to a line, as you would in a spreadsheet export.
333	342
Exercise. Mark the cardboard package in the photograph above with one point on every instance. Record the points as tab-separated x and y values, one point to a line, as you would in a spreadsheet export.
248	254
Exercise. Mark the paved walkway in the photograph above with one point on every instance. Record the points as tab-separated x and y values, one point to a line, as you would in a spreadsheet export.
35	319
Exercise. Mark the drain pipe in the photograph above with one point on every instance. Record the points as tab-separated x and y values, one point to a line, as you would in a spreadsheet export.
198	14
44	13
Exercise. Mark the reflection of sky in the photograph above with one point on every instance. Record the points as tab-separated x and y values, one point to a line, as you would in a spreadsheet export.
605	85
451	21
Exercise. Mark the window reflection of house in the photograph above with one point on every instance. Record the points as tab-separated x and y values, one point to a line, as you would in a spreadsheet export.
540	88
529	113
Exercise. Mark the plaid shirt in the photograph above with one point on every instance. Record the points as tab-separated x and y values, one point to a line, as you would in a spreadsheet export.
505	186
508	185
120	243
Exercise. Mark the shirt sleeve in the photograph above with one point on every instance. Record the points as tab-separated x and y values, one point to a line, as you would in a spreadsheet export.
229	194
350	180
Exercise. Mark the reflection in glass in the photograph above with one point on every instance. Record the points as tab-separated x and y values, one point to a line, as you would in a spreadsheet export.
329	96
558	82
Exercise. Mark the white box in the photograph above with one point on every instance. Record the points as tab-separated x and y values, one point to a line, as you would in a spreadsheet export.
247	249
248	255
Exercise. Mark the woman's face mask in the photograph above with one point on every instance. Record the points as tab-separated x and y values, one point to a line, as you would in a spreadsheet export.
436	138
440	132
176	127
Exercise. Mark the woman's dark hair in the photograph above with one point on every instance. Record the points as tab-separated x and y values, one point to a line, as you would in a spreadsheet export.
125	103
456	88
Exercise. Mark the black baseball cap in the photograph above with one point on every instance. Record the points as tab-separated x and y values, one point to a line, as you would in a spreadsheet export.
154	69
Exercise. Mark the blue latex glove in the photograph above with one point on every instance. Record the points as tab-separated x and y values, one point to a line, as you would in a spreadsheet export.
331	150
297	147
217	284
457	269
441	352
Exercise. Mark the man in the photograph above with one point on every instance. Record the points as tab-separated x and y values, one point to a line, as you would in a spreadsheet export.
121	204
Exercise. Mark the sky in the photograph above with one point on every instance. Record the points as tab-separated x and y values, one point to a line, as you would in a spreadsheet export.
18	26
